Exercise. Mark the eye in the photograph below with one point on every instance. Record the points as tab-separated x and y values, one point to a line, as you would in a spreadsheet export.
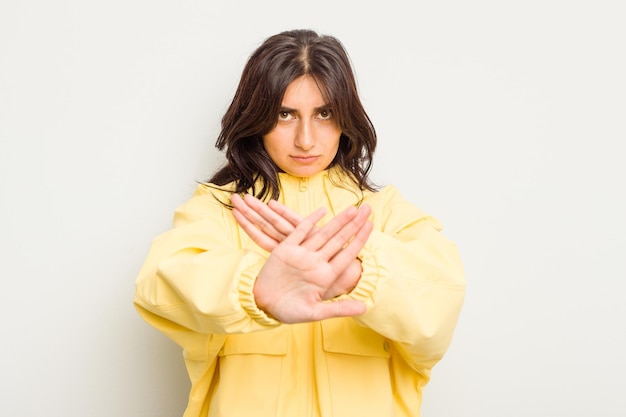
325	114
284	115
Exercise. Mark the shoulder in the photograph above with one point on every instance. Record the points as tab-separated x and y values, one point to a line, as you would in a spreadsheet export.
390	206
387	195
207	202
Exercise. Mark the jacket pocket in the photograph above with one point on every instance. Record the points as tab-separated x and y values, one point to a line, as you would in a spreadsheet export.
251	369
266	342
343	335
357	366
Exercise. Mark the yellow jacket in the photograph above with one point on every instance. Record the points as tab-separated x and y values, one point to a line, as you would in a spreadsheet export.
196	287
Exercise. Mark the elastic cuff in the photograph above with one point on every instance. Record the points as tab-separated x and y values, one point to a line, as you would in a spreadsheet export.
246	287
372	262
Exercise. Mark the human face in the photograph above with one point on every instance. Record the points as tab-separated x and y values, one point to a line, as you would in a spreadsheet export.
306	137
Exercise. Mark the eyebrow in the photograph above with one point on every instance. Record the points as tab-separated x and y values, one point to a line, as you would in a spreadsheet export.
316	109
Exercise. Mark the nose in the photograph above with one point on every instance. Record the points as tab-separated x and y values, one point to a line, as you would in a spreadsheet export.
304	135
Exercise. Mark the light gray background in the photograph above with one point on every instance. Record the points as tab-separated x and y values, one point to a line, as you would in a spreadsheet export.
506	120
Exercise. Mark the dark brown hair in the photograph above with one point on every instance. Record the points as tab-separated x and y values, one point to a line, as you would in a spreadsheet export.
254	110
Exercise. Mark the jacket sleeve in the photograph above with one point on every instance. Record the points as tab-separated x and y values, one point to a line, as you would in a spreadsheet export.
412	282
199	276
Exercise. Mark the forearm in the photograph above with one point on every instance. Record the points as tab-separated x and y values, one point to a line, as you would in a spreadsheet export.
206	289
414	292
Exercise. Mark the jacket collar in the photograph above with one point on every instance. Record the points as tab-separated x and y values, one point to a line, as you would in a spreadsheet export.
338	185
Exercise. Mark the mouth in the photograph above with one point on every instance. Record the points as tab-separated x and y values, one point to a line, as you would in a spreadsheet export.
305	159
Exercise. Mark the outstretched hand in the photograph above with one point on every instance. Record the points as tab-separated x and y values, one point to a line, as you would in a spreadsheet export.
308	265
267	224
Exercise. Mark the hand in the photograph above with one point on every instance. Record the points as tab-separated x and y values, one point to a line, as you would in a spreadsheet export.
308	264
269	224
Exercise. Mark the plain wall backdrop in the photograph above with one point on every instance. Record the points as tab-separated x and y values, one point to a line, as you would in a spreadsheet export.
505	120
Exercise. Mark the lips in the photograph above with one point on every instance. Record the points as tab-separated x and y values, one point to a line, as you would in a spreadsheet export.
305	159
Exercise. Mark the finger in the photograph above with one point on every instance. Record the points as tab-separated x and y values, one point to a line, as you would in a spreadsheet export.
254	219
257	235
346	280
340	308
324	234
262	216
344	235
246	210
345	257
267	219
287	213
302	230
290	215
316	216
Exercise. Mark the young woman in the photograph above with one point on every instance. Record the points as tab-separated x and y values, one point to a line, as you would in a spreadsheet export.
292	284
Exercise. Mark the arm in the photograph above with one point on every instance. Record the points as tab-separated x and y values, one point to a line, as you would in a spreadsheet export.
200	274
412	279
412	282
207	276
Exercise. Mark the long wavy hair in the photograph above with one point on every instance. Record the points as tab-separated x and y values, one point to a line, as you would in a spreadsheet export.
254	111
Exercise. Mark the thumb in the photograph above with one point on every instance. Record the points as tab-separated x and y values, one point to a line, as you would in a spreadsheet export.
339	308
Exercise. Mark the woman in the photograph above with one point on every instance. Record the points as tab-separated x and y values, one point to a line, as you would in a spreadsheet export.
293	285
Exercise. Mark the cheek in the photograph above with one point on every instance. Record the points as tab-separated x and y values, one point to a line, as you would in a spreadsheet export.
330	133
336	138
274	144
269	141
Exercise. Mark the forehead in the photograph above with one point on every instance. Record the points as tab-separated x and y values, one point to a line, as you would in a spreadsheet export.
302	92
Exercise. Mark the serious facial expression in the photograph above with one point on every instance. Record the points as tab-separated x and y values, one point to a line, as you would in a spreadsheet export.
306	137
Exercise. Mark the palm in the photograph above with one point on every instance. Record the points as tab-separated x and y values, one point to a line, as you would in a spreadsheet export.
297	280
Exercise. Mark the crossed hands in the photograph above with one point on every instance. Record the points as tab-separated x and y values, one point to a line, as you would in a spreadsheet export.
308	265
